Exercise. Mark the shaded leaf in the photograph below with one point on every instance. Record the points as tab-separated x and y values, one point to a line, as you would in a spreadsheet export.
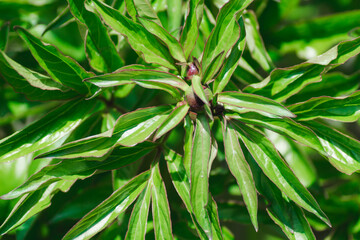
34	85
253	102
98	41
283	83
46	131
200	92
61	68
345	109
4	32
277	171
139	38
240	169
214	218
255	43
59	21
105	213
174	15
188	143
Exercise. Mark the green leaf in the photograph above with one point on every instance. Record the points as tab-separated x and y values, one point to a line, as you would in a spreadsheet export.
175	117
172	43
46	131
105	213
61	68
335	84
174	14
181	183
231	62
160	206
283	212
190	32
130	129
188	143
277	171
214	218
98	41
199	191
283	126
32	204
255	43
80	169
4	32
254	103
213	68
139	215
200	92
240	169
34	85
285	82
139	38
226	31
139	76
141	8
340	109
342	151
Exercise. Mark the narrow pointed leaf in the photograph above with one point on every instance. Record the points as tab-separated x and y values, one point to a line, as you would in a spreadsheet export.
181	183
240	169
129	75
254	103
214	218
130	129
213	68
34	85
160	207
200	92
139	38
255	42
342	150
283	83
175	117
335	84
80	169
4	32
188	143
226	31
139	215
283	212
172	43
190	31
105	213
98	38
199	191
283	126
61	68
32	204
231	62
45	131
277	171
346	109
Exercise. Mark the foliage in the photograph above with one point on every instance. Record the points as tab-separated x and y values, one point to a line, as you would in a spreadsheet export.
209	113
